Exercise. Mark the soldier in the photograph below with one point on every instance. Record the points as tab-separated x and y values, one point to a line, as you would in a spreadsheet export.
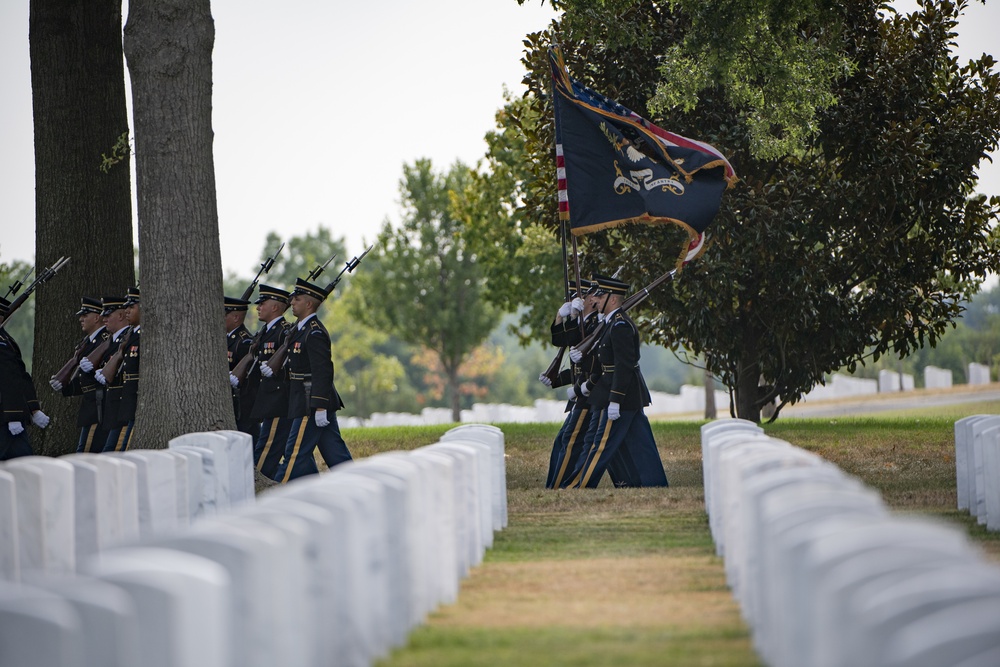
92	436
312	397
238	341
18	400
565	333
123	385
116	324
622	435
270	407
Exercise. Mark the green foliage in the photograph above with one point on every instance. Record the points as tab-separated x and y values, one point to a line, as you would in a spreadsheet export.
422	284
864	242
120	152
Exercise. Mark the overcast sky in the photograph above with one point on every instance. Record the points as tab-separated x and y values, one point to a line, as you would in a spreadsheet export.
318	103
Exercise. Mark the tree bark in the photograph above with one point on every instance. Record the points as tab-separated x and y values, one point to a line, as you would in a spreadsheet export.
710	409
748	392
456	399
78	106
184	385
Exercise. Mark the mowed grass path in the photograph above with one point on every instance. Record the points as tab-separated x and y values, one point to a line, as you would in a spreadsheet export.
630	576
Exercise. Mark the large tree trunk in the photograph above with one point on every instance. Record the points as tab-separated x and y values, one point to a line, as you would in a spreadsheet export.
710	410
453	392
78	105
748	392
184	385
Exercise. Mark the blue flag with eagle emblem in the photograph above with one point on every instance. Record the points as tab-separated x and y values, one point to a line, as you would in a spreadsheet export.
615	167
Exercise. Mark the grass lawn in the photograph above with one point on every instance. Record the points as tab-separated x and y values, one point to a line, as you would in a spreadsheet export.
630	576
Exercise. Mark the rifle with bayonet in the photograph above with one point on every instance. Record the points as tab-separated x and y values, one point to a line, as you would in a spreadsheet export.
42	277
12	290
265	266
587	344
243	366
277	360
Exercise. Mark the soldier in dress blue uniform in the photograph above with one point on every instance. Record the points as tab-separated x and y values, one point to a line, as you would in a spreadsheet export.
566	332
270	407
238	342
622	435
123	388
18	401
116	324
313	400
92	436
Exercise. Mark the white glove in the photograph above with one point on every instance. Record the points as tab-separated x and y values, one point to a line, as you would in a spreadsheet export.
40	419
544	380
577	306
321	419
233	380
600	317
614	411
55	384
565	309
585	388
571	393
86	365
575	355
99	376
265	370
15	428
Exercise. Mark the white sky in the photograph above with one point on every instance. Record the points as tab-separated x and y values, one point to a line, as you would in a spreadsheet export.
318	103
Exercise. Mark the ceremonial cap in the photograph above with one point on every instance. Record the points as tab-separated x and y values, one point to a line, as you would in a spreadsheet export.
4	305
309	289
268	292
131	297
111	304
607	285
89	304
233	305
584	285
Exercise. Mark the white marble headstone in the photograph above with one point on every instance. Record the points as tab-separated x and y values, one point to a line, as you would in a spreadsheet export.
181	600
108	495
492	437
157	491
443	531
240	453
47	524
108	618
484	494
203	502
38	629
10	569
182	479
219	445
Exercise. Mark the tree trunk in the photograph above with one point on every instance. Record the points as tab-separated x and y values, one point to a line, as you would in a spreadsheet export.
456	405
78	106
748	392
710	409
184	385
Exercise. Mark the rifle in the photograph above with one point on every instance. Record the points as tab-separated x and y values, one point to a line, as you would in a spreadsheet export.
265	266
114	362
587	344
16	287
242	367
69	370
39	279
277	359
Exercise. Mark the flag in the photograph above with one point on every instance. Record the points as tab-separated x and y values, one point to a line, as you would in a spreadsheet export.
615	167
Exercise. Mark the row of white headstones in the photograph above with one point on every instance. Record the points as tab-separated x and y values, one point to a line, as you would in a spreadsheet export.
826	576
977	468
165	558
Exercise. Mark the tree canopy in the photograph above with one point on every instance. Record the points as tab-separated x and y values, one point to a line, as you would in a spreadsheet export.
424	285
863	242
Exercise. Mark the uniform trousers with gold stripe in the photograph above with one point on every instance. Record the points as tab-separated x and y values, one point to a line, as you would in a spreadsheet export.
618	471
304	438
119	438
270	445
92	439
627	445
568	445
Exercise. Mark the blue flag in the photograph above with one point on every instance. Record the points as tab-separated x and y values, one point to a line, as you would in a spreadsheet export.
615	167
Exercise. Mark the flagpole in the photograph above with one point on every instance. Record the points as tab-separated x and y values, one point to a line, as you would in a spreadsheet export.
576	270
